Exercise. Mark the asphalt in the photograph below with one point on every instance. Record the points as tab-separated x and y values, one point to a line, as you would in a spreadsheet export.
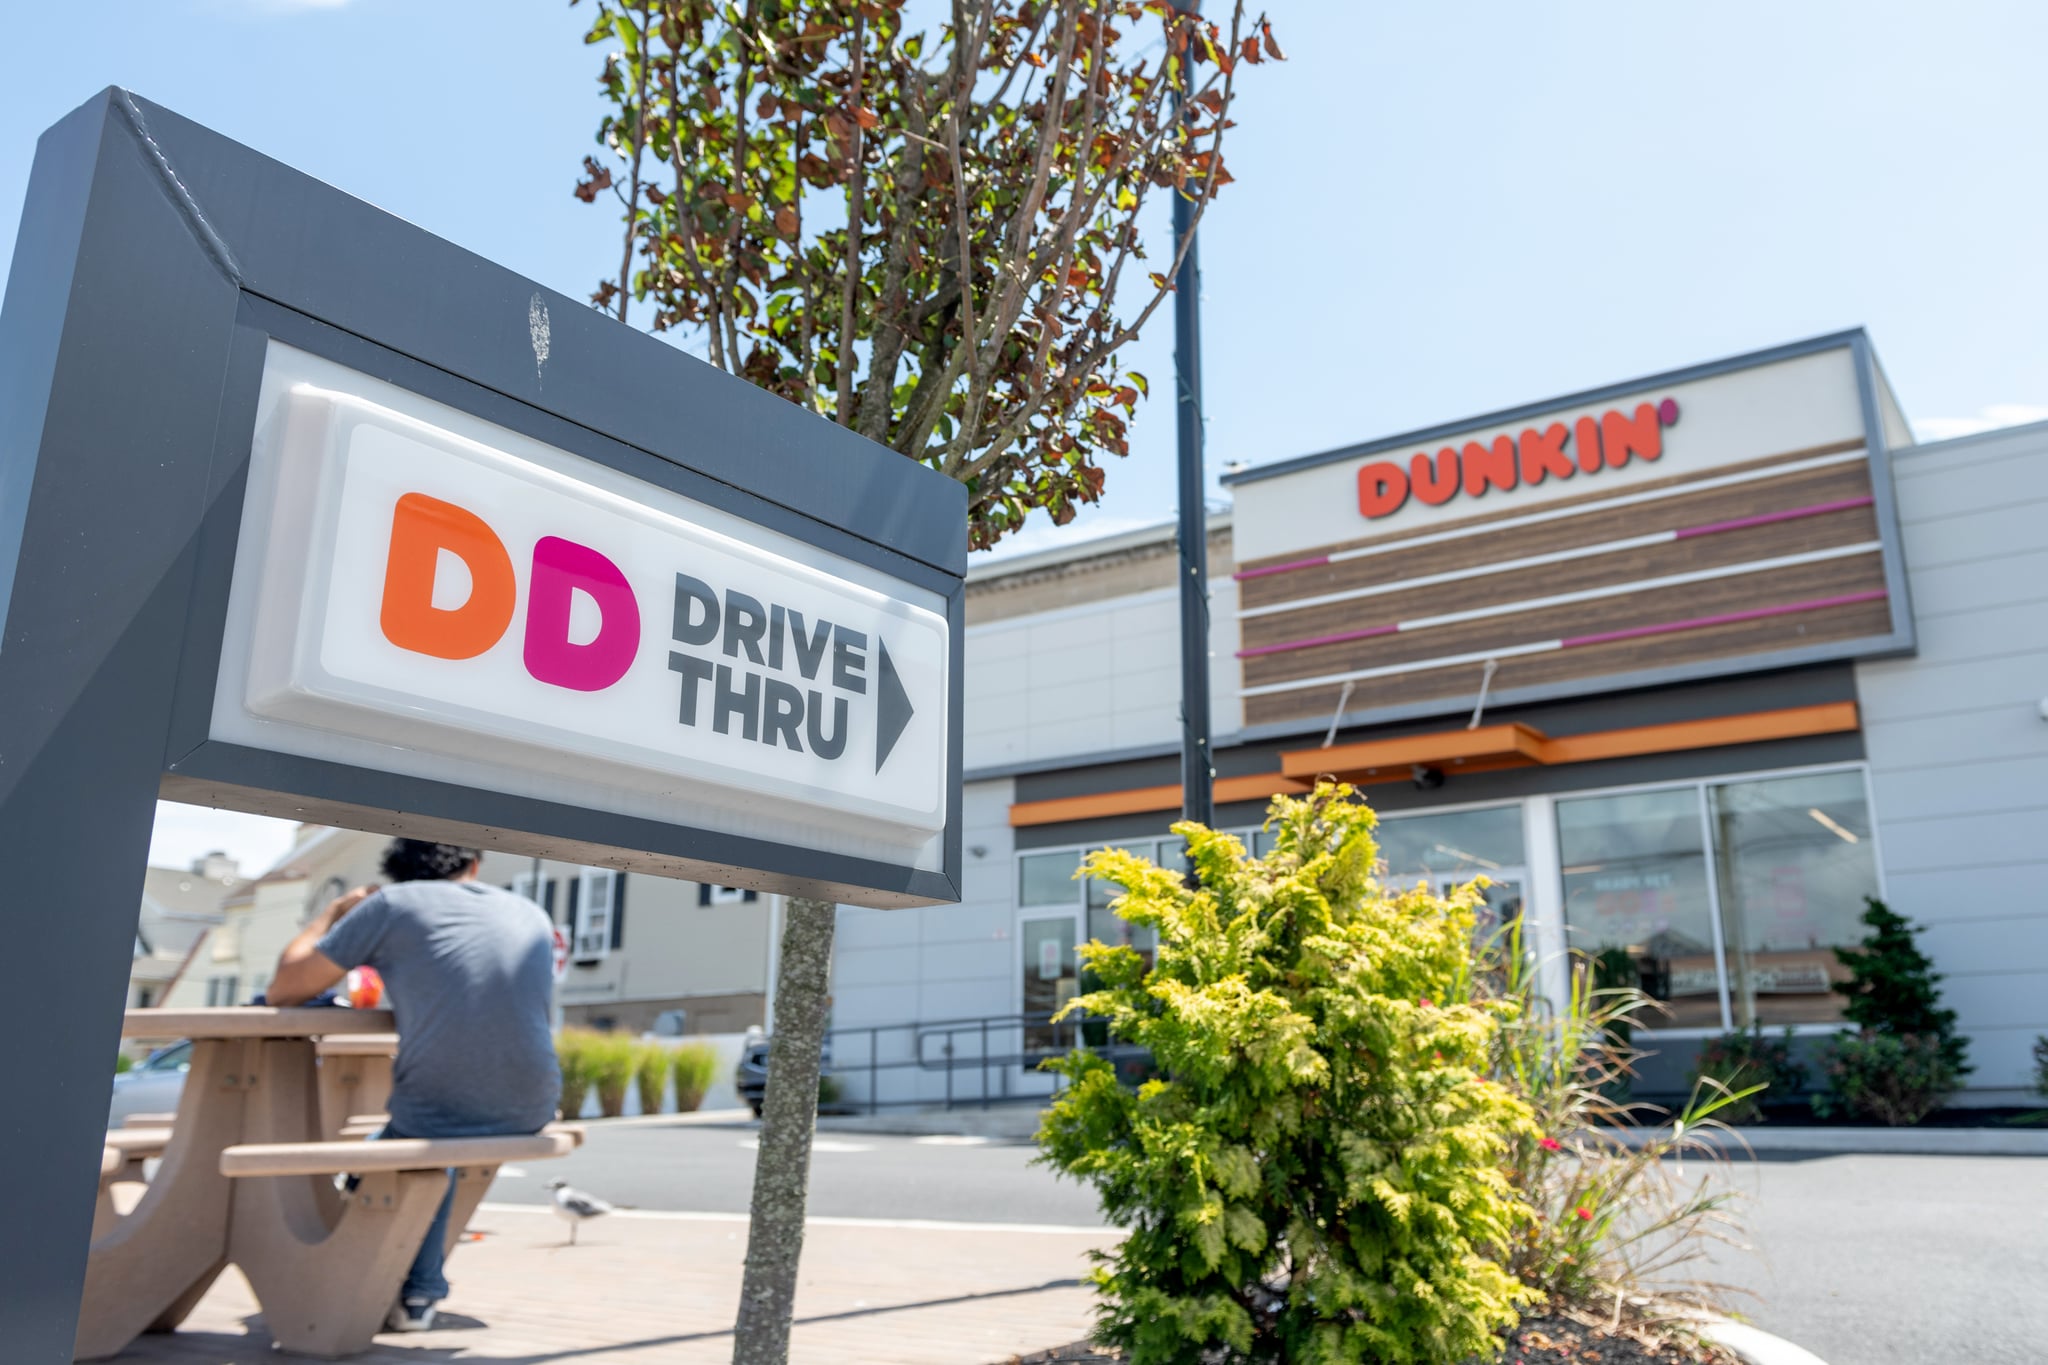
709	1168
1863	1260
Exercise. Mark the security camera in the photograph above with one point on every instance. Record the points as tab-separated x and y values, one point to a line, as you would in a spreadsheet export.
1426	778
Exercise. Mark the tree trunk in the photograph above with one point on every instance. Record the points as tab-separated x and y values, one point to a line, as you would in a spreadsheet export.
782	1167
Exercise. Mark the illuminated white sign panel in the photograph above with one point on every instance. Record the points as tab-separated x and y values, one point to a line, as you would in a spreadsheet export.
425	592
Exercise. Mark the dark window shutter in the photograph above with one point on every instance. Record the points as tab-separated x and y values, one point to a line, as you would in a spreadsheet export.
618	909
547	897
569	914
703	895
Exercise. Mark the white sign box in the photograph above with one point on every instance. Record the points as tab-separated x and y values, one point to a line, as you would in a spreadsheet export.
421	591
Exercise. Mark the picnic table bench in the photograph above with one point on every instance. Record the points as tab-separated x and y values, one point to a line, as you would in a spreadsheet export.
246	1176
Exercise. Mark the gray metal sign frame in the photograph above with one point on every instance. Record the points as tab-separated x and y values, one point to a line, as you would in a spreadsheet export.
156	259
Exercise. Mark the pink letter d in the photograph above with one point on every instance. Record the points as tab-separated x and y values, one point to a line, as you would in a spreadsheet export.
559	568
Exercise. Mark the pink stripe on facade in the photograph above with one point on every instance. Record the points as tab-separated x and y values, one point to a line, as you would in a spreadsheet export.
1768	518
1339	639
1315	563
1729	618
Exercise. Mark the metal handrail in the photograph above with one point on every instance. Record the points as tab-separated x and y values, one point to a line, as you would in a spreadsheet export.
919	1037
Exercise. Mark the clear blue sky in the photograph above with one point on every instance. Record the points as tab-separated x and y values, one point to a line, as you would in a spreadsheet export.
1439	209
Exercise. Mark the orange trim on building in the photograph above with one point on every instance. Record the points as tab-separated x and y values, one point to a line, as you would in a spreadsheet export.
1467	751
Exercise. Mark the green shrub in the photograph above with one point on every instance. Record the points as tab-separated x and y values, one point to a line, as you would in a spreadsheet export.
2041	1066
1892	986
572	1052
830	1091
1316	1175
650	1075
1746	1060
123	1062
1615	1220
696	1067
1886	1077
613	1061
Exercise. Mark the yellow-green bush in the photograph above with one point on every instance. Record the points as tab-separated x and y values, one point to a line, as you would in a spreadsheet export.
650	1075
590	1060
572	1052
696	1067
612	1058
1318	1174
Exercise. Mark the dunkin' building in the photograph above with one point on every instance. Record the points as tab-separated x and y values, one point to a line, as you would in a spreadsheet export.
1687	666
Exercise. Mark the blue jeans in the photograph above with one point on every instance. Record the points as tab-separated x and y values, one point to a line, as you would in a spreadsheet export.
425	1280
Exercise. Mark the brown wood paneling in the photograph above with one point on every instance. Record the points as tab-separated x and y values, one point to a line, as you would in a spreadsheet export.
1806	489
1728	549
1587	663
1513	508
1800	582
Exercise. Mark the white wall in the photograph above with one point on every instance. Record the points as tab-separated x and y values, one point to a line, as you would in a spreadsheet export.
942	962
1958	747
1091	679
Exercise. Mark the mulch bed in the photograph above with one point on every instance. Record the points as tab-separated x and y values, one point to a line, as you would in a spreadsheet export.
1541	1339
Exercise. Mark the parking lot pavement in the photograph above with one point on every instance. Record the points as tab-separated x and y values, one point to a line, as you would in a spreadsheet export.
706	1165
1865	1260
1898	1260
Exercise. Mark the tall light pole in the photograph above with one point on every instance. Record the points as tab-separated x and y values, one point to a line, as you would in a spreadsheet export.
1197	775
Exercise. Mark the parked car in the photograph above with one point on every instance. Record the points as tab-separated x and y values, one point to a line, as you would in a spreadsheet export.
750	1074
153	1085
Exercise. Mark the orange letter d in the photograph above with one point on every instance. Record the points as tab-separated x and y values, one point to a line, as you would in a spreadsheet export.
421	528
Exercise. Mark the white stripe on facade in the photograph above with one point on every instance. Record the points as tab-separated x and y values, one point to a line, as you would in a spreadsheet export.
1560	599
1458	575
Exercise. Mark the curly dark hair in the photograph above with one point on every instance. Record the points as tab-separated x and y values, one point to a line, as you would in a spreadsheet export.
416	860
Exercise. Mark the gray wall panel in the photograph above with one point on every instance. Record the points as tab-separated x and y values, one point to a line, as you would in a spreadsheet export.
1958	749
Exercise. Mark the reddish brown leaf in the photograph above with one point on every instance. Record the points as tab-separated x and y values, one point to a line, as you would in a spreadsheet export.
1272	48
785	221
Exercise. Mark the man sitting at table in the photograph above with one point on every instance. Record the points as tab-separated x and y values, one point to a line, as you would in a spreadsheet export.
469	970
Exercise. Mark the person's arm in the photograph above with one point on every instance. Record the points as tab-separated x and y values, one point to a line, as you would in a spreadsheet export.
303	971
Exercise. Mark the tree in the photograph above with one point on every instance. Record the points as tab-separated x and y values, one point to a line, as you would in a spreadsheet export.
928	237
1893	988
925	236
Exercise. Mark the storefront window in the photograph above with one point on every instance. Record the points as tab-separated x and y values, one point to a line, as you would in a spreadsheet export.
1794	865
1636	897
1045	879
1458	845
1103	924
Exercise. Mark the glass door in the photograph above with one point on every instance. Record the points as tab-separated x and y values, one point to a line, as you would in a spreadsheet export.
1050	980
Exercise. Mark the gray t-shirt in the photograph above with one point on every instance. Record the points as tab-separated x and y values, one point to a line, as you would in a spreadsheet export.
469	970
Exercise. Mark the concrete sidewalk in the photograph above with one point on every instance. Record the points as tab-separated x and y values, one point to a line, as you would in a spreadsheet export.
655	1287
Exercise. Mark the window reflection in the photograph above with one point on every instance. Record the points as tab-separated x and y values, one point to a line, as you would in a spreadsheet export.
1795	862
1455	845
1635	879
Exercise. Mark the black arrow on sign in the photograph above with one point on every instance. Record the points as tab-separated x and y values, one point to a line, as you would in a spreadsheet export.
892	707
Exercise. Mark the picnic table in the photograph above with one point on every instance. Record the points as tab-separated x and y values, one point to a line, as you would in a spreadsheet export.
247	1176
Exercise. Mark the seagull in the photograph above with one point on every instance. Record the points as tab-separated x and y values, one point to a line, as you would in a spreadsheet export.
574	1207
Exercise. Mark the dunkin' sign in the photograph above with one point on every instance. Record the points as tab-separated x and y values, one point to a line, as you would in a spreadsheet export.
1507	462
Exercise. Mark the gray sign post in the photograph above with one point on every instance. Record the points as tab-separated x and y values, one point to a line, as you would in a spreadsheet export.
306	512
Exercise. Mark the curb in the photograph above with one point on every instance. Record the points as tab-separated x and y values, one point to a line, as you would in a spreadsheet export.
1867	1141
1754	1345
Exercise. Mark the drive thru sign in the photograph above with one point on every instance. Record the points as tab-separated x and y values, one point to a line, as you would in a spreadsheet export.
308	513
456	591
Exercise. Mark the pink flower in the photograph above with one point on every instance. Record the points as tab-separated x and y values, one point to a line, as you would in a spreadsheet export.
1425	1002
1550	1144
1584	1213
